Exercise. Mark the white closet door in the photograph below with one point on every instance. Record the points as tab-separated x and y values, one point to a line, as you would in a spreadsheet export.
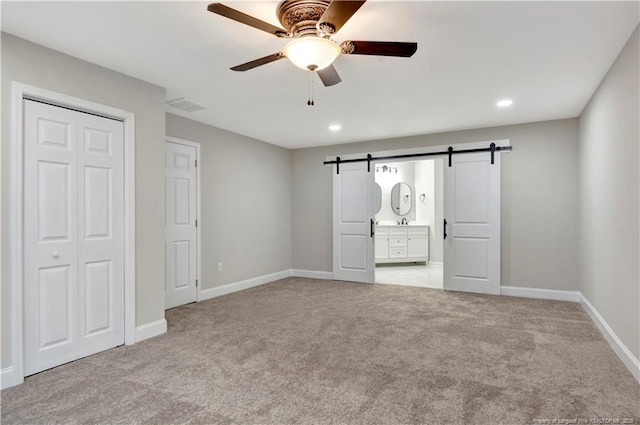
73	287
353	244
101	231
180	228
472	211
50	237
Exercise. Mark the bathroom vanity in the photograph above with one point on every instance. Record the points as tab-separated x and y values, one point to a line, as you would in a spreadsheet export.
401	244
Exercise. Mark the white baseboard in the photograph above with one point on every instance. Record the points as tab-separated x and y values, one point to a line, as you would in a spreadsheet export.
438	264
628	359
311	274
9	378
149	330
618	346
543	294
229	288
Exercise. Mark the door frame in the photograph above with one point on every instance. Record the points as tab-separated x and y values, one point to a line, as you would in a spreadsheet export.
195	145
20	91
420	150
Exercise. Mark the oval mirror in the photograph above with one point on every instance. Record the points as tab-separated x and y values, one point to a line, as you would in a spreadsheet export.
401	198
377	198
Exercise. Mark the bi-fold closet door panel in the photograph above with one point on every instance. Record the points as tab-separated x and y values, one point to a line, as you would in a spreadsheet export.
73	235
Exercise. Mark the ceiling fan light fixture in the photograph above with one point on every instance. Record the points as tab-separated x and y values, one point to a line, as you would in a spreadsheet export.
312	53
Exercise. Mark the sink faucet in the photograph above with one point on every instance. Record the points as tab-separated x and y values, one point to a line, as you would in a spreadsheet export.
404	220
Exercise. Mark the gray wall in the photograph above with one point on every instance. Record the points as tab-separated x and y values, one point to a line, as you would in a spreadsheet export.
539	200
246	203
35	65
609	198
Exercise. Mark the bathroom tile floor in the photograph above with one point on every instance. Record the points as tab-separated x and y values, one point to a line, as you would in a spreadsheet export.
410	274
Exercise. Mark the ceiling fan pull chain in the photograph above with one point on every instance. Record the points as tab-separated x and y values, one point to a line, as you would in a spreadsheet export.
310	101
309	91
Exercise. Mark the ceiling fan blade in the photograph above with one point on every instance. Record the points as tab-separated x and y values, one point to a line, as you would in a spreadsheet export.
243	18
258	62
379	48
337	14
329	76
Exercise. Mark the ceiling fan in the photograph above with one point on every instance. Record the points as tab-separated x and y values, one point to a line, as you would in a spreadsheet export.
310	24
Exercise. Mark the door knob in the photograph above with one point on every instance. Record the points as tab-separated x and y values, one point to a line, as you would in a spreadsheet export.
55	254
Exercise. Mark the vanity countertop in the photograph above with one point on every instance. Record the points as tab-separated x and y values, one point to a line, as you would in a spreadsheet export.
403	225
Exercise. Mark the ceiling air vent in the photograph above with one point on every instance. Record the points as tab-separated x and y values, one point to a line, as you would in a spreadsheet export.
185	104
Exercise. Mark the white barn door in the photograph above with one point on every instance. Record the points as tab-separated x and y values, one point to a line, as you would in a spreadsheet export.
180	227
353	223
472	214
73	235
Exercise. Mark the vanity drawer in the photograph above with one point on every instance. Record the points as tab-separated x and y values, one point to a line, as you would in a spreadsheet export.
418	231
397	241
382	231
398	252
397	231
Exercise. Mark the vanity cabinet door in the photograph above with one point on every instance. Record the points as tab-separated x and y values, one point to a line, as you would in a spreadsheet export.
382	247
417	246
418	243
381	243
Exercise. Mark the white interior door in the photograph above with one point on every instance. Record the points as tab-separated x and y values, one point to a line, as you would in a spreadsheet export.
73	235
101	233
353	223
180	227
472	214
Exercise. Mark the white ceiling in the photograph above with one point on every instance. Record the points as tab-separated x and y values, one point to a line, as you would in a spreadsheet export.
547	56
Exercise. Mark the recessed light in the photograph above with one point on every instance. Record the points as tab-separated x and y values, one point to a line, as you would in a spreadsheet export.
335	127
504	103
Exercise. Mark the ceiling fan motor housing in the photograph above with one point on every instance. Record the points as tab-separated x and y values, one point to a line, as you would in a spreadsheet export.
300	17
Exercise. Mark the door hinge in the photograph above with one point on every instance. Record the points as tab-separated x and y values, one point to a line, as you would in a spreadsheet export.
196	283
196	223
196	162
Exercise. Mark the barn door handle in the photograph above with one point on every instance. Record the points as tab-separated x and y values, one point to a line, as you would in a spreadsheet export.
445	228
373	223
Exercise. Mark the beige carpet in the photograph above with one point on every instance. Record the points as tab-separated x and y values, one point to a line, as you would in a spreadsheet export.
304	351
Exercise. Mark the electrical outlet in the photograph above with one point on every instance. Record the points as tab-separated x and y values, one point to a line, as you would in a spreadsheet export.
219	267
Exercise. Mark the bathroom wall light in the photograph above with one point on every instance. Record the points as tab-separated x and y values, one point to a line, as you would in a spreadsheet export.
504	103
423	197
335	127
386	169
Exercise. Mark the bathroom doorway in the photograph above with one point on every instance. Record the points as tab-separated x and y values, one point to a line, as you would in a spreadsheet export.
408	206
470	225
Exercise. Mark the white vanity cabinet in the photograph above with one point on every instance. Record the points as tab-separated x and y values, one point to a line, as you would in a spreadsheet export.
401	244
